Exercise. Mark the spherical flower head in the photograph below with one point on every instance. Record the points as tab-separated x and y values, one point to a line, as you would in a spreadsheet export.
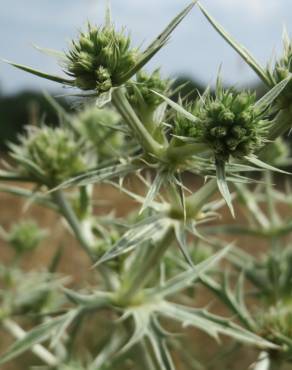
99	58
97	127
50	155
140	92
276	323
228	123
25	236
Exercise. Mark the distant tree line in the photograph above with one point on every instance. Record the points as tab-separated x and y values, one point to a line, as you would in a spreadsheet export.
27	107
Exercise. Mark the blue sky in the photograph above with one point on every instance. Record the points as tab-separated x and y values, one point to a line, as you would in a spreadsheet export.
195	49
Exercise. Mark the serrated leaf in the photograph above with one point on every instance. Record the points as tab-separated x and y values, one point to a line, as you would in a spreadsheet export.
134	237
35	336
98	175
222	185
212	324
154	190
41	74
158	43
98	299
177	107
188	277
242	51
272	95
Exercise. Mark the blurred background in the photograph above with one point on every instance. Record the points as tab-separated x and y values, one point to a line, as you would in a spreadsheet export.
194	53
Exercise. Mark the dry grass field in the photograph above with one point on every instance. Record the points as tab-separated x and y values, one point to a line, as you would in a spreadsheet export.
75	264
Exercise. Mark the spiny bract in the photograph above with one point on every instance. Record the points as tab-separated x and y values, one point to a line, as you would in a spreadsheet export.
228	123
99	58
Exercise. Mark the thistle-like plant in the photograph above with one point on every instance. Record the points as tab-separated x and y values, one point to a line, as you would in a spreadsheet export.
151	264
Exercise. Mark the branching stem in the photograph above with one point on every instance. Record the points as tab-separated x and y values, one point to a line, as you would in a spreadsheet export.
70	216
126	111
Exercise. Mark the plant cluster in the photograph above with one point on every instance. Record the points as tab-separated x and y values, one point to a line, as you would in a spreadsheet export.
150	266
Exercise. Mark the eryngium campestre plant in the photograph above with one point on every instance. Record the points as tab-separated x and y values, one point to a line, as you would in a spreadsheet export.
99	58
138	276
229	123
49	155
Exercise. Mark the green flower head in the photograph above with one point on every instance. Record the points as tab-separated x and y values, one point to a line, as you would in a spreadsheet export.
276	323
25	236
98	128
228	123
49	155
99	58
140	95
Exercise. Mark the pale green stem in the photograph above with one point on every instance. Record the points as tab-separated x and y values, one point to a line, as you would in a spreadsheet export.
140	274
71	218
196	201
177	153
41	352
122	105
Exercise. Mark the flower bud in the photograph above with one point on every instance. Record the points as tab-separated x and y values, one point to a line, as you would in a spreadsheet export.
228	123
25	236
50	155
99	57
140	95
